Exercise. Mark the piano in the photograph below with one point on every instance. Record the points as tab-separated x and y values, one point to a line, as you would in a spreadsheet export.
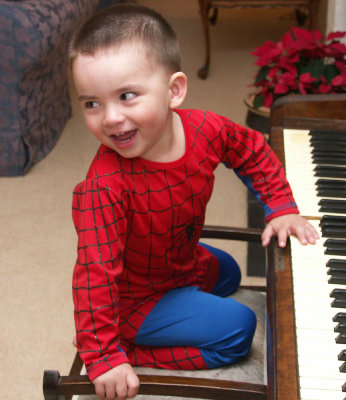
307	287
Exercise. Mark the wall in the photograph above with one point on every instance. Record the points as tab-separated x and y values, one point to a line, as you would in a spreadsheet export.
336	16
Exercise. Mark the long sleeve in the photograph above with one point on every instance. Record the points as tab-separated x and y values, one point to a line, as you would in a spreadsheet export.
101	227
257	166
247	153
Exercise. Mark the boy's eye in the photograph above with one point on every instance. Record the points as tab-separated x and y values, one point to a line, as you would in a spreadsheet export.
127	96
91	104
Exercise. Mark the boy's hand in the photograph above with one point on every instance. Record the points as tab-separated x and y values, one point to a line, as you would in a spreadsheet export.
118	383
286	225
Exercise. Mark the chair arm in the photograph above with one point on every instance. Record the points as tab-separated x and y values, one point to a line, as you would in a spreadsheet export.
56	386
231	233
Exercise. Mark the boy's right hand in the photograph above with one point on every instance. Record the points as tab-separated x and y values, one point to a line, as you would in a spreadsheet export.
118	383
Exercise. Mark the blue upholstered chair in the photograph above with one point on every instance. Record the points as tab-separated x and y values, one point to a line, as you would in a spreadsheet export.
34	96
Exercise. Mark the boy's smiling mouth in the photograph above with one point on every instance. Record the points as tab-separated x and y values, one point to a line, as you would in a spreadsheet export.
124	139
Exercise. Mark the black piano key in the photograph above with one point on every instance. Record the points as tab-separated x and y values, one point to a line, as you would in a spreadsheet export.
341	338
342	355
336	270
336	262
339	317
324	191
331	193
342	367
330	183
344	388
333	220
330	187
327	153
327	150
327	145
332	172
328	160
326	134
340	328
338	303
328	139
337	279
335	247
334	206
338	293
334	232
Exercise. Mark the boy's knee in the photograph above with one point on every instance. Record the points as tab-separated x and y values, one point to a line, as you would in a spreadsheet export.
247	328
236	346
250	322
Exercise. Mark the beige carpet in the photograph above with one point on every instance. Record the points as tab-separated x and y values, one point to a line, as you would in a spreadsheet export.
38	241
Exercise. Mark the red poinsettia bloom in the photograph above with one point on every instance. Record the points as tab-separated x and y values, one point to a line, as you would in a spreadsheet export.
324	89
301	62
306	78
268	99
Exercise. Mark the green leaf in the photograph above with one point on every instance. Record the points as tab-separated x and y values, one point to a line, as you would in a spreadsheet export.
262	74
258	101
316	68
330	72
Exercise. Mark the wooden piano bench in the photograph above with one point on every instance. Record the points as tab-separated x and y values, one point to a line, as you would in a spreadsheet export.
246	380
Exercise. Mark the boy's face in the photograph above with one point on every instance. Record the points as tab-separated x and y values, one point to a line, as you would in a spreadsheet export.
126	99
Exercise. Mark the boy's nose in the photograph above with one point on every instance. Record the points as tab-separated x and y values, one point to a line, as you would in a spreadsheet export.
113	116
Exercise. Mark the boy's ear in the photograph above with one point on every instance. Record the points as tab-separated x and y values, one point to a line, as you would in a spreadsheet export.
178	89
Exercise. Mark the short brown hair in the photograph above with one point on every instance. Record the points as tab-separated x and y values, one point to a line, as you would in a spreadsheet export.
128	23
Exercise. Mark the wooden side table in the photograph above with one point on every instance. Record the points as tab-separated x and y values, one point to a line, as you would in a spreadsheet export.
209	9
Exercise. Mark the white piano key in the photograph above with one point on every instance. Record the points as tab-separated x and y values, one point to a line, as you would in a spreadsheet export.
307	348
313	319
315	394
309	291
325	307
318	285
322	383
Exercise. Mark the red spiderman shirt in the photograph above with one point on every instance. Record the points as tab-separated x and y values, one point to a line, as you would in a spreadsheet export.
139	223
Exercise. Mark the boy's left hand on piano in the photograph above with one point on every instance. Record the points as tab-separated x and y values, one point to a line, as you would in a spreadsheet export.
287	225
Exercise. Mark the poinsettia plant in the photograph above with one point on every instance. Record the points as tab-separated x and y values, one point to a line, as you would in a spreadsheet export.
301	62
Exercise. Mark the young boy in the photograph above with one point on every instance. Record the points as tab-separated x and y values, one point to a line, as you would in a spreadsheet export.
146	292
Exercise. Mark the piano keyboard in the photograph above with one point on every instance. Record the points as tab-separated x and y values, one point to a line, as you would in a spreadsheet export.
318	324
316	170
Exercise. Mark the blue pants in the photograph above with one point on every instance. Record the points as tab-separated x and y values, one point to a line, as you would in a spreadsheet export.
220	327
